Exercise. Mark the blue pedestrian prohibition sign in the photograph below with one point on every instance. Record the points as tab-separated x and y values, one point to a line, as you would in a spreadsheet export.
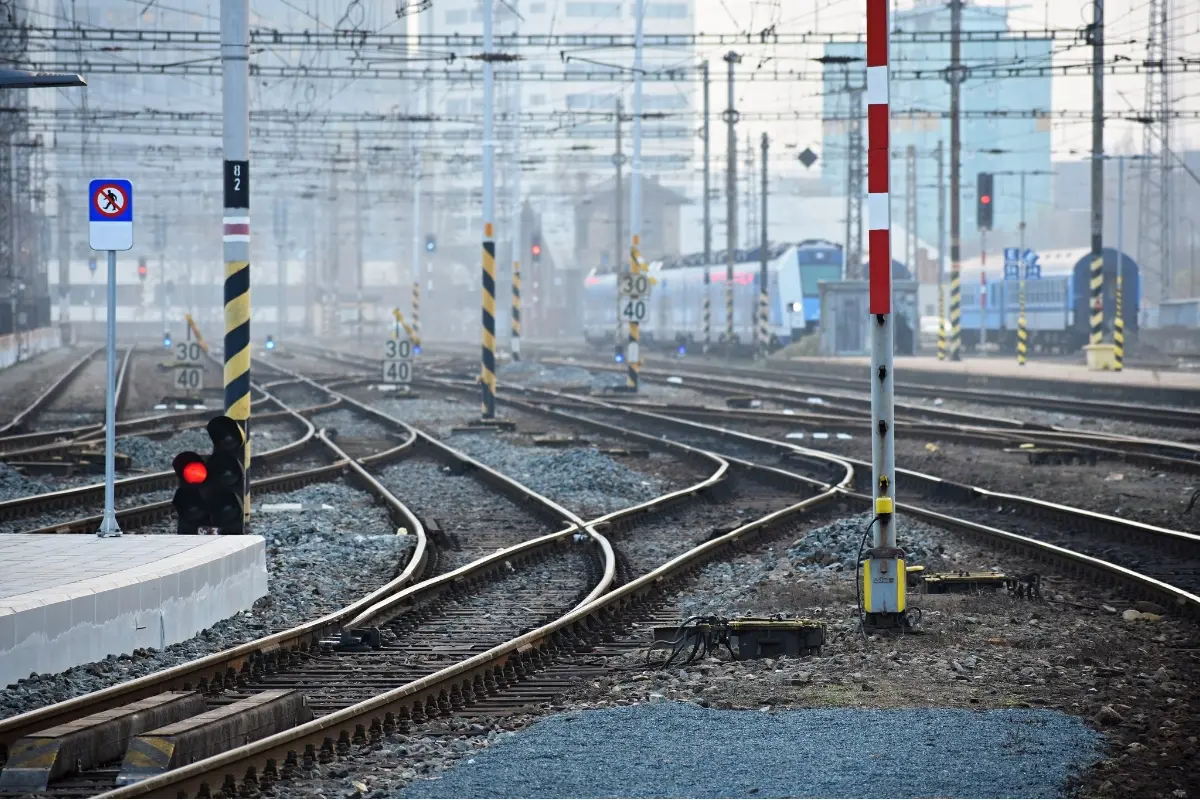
110	214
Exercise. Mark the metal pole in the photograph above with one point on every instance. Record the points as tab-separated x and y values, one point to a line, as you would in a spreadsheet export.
707	219
731	218
517	242
284	300
955	76
416	237
235	59
64	262
1118	318
1022	330
633	358
1096	277
941	273
488	372
108	524
358	238
619	249
883	573
763	322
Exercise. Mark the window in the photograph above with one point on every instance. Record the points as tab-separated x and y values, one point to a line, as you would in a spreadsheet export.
593	9
456	16
667	11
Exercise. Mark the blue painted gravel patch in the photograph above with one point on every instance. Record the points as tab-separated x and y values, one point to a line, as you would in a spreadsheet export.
683	750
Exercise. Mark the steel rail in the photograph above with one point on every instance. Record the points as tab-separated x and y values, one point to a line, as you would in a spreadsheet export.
938	488
361	614
583	621
47	396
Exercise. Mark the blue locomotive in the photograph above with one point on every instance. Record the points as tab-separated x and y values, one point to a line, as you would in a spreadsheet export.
1056	305
676	305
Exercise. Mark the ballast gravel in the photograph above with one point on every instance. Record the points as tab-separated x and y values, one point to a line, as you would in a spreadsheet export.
583	479
318	561
671	749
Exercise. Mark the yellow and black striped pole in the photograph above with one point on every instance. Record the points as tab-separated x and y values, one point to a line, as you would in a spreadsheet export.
707	309
516	311
1097	298
1118	327
416	313
955	310
1022	331
941	344
633	356
235	54
488	374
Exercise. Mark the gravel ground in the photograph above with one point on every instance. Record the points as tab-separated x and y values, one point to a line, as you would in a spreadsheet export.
318	562
353	424
582	479
435	415
683	750
14	484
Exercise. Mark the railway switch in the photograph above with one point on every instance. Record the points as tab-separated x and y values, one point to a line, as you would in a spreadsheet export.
745	638
211	493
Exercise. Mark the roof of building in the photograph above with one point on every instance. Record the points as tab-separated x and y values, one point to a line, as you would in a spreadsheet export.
653	192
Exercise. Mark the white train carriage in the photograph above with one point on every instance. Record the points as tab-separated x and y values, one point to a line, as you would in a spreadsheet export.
675	307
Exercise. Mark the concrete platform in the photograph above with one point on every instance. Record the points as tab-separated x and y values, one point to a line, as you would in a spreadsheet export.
1034	370
70	599
1152	387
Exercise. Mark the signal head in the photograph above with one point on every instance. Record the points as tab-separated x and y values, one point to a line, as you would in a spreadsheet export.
186	460
166	341
226	434
270	342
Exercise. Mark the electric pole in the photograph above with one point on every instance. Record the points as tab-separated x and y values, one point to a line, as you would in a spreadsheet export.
941	261
619	239
731	218
955	76
763	283
1096	276
854	184
910	209
707	220
358	237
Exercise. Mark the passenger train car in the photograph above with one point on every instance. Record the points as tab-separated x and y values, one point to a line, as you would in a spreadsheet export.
1056	305
675	312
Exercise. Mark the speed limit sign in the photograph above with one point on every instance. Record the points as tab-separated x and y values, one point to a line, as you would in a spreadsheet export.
633	309
397	361
188	352
635	285
189	379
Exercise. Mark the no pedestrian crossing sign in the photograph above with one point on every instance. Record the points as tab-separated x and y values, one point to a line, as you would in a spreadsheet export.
110	214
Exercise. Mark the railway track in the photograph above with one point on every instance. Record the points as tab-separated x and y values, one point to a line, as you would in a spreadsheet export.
533	667
846	390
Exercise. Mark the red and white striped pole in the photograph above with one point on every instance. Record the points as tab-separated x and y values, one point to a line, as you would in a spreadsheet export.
883	572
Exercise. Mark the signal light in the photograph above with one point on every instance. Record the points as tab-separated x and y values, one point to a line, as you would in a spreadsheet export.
983	209
142	269
535	246
270	342
212	490
430	243
167	341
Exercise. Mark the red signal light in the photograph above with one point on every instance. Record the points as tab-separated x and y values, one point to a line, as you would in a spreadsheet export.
537	249
195	472
987	198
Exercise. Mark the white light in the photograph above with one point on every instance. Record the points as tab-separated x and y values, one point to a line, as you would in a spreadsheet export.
797	306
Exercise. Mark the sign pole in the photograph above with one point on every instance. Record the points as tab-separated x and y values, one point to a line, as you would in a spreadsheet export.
109	526
110	228
883	577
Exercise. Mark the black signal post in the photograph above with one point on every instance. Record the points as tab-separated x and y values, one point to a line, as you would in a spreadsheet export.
983	214
211	492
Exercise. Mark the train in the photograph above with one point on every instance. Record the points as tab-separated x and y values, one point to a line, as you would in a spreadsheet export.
674	311
1057	305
